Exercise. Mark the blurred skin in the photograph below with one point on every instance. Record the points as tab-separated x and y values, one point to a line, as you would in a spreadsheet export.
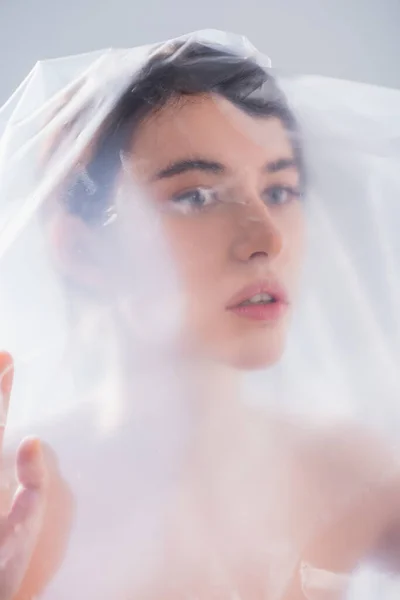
33	506
254	485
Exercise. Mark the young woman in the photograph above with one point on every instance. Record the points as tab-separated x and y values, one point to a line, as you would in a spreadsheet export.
262	508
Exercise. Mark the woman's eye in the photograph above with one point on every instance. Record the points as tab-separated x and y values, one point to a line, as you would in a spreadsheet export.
279	194
195	199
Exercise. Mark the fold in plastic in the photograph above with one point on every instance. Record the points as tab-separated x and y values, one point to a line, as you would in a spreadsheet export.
342	360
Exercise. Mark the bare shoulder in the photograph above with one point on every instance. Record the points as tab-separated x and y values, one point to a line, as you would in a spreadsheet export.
354	454
344	449
346	484
339	463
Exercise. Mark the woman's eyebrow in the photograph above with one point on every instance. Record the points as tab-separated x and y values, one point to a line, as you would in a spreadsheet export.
281	164
178	167
193	164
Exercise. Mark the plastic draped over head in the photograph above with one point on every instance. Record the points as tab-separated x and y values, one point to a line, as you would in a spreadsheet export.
92	301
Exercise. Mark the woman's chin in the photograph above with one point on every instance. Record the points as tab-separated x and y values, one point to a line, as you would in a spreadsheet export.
257	361
246	351
253	356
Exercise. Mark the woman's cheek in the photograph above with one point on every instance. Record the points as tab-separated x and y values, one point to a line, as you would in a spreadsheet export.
194	244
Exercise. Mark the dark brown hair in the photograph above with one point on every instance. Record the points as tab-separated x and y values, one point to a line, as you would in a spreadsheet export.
174	70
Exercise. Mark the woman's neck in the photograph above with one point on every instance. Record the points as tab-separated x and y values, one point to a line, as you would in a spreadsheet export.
219	388
192	396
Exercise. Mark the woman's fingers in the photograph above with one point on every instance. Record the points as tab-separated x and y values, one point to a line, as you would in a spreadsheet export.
19	536
31	468
21	528
6	372
6	381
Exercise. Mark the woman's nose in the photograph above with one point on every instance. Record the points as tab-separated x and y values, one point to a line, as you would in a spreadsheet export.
258	234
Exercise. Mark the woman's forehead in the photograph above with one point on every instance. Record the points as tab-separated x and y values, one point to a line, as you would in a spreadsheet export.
211	127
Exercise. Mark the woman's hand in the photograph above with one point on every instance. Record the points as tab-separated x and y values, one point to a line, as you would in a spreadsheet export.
21	525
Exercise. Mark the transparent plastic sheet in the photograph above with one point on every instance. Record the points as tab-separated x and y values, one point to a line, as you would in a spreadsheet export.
181	465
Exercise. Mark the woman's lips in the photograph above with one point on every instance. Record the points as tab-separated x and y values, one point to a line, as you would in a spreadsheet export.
267	311
261	312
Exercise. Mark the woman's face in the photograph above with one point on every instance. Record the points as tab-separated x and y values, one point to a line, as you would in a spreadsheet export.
227	185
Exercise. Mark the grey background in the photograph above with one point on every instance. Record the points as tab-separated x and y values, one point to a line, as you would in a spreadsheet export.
355	39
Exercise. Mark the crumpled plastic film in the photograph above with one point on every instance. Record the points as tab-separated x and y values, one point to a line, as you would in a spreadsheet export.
199	287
